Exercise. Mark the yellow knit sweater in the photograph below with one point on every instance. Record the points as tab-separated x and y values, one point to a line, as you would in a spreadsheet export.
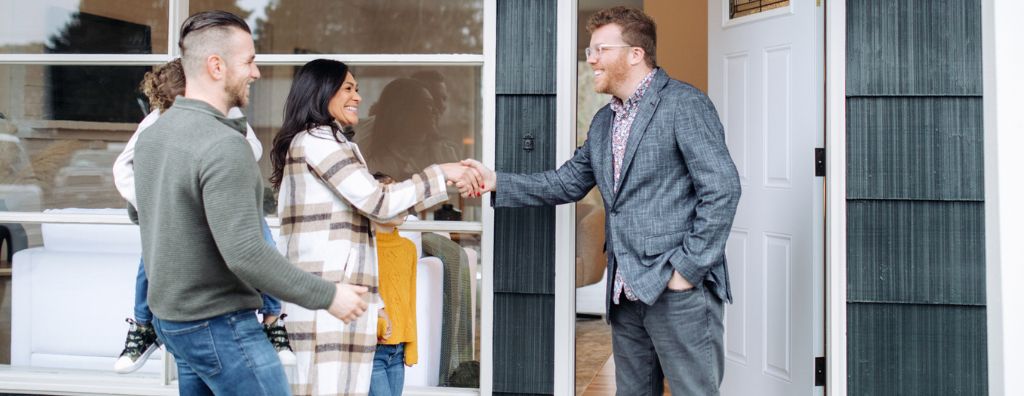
396	268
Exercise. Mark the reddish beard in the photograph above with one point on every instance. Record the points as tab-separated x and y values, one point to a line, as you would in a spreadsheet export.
615	72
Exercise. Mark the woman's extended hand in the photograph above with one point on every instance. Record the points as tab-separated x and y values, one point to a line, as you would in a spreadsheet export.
488	178
466	179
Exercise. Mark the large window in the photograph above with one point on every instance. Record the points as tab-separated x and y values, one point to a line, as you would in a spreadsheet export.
69	101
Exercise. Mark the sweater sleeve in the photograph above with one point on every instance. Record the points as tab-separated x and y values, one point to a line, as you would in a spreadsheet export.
338	166
124	170
229	180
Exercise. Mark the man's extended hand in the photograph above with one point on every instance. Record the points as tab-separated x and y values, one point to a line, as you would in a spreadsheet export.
348	304
489	179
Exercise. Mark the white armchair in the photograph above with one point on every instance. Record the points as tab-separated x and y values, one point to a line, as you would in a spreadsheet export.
70	296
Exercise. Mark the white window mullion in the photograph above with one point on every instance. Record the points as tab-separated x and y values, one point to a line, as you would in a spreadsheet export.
488	88
85	59
376	59
177	15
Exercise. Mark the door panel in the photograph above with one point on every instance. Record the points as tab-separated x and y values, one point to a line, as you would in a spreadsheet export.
763	80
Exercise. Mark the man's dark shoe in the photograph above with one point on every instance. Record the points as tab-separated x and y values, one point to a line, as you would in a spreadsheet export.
278	337
138	345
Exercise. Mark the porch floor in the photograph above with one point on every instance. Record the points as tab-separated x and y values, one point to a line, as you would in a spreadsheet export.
603	383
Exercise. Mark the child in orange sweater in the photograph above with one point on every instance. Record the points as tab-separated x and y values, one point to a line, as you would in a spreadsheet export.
396	324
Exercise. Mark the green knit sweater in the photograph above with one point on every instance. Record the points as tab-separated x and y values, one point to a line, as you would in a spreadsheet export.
199	195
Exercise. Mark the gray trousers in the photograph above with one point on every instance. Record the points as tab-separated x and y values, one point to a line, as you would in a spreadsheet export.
679	337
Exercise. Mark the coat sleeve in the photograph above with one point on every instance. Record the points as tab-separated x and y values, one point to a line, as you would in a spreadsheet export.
701	139
336	164
569	183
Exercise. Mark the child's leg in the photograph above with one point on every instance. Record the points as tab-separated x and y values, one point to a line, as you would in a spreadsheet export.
271	308
271	305
396	371
380	382
143	315
141	340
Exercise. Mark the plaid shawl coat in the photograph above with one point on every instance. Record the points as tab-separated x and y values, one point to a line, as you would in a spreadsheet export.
326	201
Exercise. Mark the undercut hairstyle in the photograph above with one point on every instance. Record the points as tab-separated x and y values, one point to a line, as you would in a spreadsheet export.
638	29
163	84
206	33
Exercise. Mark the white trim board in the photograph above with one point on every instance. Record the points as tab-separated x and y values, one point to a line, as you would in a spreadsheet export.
565	215
1002	60
835	197
489	99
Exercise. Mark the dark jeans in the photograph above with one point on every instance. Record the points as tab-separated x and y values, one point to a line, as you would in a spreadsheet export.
679	337
271	305
388	376
223	355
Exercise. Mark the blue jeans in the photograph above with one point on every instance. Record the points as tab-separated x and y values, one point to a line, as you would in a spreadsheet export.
388	377
271	305
223	355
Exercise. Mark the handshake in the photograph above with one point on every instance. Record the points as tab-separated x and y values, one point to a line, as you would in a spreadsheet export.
470	176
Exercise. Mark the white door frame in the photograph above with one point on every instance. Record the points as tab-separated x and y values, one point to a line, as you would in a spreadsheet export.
565	215
835	197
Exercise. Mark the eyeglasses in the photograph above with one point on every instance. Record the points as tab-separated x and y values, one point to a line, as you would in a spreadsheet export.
597	51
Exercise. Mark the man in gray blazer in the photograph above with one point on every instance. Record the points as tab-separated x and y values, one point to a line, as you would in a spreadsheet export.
657	154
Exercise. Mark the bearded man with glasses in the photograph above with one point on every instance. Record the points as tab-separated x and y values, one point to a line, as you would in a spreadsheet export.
657	154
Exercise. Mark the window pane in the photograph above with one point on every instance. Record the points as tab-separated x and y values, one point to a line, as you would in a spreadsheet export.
359	27
63	126
83	27
739	8
433	116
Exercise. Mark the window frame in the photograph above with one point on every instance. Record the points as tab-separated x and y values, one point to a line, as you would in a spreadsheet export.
31	379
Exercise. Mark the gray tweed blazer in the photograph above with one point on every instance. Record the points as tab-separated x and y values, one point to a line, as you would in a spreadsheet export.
677	196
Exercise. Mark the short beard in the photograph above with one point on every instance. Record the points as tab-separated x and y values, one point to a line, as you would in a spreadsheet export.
236	96
236	93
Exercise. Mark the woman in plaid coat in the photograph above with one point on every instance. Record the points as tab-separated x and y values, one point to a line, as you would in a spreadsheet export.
326	201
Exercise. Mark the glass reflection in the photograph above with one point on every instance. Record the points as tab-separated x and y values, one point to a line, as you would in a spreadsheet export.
83	27
61	127
359	27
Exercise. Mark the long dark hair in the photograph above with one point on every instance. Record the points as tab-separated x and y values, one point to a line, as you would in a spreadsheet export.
306	108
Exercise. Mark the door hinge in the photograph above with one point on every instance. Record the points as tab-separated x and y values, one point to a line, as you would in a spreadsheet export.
819	371
819	162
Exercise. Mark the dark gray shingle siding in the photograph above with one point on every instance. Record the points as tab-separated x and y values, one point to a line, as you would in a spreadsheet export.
911	350
913	47
915	148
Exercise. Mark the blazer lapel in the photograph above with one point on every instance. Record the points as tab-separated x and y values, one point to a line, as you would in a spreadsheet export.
644	114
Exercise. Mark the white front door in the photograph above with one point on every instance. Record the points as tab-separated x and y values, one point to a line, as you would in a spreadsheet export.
763	78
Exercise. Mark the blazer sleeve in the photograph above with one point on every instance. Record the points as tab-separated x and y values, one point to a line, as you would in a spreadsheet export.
701	139
337	165
569	183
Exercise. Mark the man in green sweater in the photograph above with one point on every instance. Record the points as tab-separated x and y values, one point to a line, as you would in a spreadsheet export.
199	195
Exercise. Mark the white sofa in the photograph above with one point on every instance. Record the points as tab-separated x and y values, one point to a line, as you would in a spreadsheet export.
71	296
